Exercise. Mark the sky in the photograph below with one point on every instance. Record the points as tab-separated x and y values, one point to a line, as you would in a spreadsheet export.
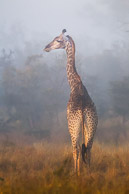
94	25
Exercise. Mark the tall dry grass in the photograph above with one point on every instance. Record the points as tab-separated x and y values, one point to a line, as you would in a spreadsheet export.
46	167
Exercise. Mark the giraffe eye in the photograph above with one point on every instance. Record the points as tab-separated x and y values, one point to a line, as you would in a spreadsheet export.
59	41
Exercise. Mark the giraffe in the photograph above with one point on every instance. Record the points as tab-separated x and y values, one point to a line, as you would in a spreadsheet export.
81	111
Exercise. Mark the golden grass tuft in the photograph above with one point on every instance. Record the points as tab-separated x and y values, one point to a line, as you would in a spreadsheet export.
48	168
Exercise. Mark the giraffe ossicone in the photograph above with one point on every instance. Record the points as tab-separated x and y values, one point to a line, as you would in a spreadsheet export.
63	31
81	111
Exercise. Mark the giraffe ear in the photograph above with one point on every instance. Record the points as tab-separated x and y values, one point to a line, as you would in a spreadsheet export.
63	35
63	31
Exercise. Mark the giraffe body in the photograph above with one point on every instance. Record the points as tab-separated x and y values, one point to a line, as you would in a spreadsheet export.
81	111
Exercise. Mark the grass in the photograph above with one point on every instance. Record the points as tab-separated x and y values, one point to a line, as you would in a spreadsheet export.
48	168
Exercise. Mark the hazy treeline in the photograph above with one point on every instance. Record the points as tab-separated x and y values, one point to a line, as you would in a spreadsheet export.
34	92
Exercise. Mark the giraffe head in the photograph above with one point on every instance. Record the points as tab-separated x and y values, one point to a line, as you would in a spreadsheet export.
58	43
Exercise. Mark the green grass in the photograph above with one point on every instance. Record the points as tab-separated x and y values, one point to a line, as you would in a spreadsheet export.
48	168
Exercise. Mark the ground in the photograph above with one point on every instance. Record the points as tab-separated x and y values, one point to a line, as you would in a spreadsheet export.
47	167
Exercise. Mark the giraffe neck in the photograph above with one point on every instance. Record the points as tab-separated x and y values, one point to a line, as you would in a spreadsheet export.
72	75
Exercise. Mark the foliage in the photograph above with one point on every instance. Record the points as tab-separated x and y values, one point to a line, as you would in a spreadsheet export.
34	95
120	96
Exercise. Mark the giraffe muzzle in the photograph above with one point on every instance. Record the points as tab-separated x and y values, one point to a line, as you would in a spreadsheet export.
47	48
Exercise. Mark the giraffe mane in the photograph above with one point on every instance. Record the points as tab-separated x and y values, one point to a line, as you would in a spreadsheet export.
72	42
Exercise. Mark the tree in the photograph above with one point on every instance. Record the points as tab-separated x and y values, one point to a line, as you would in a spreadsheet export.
120	98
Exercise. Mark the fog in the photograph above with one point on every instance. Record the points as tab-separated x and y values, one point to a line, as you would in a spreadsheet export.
95	25
34	88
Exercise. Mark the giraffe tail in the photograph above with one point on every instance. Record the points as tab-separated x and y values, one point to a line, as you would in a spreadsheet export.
84	150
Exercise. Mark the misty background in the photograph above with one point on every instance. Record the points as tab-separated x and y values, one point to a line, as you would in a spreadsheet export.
33	83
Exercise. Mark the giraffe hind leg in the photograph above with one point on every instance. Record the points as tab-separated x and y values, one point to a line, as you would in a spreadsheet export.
74	125
75	159
86	147
78	162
